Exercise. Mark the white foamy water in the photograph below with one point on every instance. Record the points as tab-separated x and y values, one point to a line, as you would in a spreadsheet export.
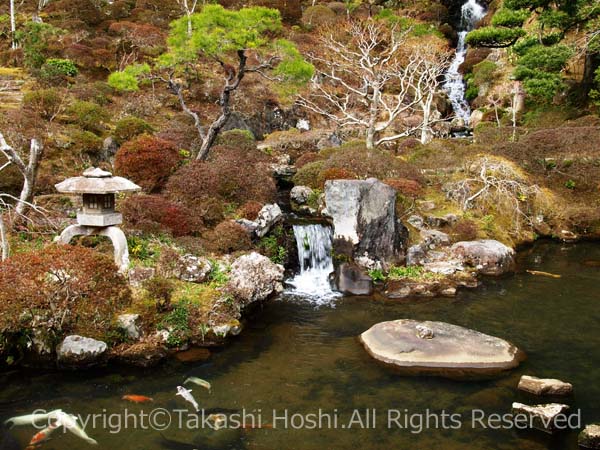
314	244
454	84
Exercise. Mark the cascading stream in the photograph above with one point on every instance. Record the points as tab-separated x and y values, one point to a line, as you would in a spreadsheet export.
471	13
314	244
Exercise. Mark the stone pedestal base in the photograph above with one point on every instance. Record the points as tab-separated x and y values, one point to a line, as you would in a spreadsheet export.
114	233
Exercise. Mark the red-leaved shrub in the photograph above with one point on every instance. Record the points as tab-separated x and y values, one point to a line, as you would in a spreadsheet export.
147	161
62	289
250	210
228	237
230	176
153	214
410	188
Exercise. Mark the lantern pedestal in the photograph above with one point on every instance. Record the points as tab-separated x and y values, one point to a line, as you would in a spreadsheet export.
115	234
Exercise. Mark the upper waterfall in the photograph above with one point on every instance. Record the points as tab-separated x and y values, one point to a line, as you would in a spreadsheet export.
471	13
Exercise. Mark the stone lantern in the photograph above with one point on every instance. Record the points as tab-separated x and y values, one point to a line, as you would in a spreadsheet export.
98	216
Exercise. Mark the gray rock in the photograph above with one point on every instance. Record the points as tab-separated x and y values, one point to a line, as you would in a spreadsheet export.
330	141
128	323
80	352
109	147
193	269
425	205
590	437
300	194
424	332
434	238
541	417
254	277
249	225
364	219
351	279
268	216
137	275
452	352
416	221
415	255
488	256
447	267
544	386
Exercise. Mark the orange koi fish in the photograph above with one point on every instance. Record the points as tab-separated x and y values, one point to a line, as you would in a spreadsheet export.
137	398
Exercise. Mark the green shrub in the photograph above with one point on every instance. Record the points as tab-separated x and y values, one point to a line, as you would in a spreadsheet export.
510	18
177	323
546	59
55	69
236	138
88	115
35	38
128	80
494	36
130	127
86	143
485	72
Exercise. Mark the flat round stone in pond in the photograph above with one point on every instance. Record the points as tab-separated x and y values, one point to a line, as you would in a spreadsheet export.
438	348
194	354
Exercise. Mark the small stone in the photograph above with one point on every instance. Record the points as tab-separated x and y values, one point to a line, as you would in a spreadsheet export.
541	417
416	221
434	237
590	437
351	279
448	292
268	216
300	194
194	269
424	332
127	322
415	255
544	386
425	205
137	275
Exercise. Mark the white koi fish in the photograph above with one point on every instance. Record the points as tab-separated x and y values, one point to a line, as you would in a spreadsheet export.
32	419
200	382
69	421
186	394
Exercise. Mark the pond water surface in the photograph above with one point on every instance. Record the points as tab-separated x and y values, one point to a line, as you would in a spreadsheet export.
295	357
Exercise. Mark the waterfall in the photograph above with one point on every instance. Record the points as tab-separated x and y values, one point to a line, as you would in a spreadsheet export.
454	84
314	244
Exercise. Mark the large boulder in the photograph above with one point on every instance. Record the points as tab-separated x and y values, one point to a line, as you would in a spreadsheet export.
590	437
448	350
544	386
351	279
80	352
488	256
254	277
364	219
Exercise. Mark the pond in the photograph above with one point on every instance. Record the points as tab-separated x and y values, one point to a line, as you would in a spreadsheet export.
299	358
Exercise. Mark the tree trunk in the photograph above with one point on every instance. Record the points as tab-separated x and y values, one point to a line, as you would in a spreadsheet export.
4	239
13	24
232	82
592	62
373	112
29	175
425	129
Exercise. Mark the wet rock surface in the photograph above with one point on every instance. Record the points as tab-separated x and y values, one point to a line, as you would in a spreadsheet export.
351	279
542	417
80	352
590	437
448	350
544	386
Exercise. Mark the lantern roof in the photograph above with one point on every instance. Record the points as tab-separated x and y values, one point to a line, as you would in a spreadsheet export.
96	181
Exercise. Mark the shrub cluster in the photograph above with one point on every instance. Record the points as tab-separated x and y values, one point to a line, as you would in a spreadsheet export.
228	237
153	214
232	176
352	160
64	289
129	127
147	161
